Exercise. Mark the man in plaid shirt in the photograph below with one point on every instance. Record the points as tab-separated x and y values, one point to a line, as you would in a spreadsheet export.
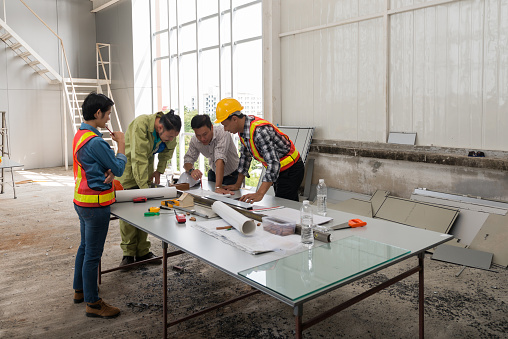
265	142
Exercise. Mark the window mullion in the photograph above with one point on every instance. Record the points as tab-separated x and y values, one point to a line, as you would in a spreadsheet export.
232	46
169	59
181	110
198	68
220	50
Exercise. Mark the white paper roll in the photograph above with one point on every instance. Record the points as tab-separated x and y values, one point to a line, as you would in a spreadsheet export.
237	220
162	192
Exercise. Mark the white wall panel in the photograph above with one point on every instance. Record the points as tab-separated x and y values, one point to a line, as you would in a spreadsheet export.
114	26
470	70
33	106
35	128
297	96
338	89
3	66
366	7
123	98
401	72
3	101
495	125
76	27
438	92
447	70
371	103
334	85
300	15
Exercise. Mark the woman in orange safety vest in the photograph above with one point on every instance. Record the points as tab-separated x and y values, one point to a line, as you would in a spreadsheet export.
95	166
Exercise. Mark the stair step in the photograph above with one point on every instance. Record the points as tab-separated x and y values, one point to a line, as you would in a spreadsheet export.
33	63
15	46
78	85
5	36
42	71
25	54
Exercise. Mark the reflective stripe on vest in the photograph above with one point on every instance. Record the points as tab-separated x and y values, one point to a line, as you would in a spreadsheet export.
83	195
286	161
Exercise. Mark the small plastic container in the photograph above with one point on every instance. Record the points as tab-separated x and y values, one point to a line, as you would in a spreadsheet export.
278	226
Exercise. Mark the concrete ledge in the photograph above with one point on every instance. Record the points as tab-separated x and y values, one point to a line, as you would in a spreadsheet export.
497	160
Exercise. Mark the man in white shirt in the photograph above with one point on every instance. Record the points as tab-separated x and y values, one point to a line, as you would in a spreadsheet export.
218	147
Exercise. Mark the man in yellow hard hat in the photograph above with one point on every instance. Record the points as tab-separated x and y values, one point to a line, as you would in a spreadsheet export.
267	144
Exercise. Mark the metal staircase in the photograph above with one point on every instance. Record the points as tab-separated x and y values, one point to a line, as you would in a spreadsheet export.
32	59
74	90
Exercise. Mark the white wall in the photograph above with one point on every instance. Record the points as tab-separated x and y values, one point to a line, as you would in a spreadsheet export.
114	26
445	77
34	108
126	26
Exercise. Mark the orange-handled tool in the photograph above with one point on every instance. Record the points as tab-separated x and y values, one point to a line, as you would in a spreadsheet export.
356	223
350	224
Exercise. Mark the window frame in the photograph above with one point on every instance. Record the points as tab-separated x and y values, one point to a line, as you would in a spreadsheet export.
176	56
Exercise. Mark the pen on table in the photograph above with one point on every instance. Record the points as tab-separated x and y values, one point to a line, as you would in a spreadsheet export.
223	228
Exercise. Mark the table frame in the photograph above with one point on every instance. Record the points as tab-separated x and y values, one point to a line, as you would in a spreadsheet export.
300	324
8	164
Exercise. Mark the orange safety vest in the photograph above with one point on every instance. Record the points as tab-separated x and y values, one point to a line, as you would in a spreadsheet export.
83	195
286	161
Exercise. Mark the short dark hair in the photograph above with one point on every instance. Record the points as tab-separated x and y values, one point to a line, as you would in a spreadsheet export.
238	114
94	102
201	120
170	121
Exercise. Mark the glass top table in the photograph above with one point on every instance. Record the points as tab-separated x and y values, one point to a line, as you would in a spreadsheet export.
310	271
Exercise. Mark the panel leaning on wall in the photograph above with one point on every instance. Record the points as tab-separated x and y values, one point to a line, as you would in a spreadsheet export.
357	70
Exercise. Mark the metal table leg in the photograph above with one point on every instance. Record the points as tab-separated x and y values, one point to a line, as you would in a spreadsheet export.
13	184
298	312
421	296
165	287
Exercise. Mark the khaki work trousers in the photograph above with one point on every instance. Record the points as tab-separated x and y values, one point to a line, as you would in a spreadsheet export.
135	242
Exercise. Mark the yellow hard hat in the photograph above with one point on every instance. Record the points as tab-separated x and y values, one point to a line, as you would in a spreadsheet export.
225	108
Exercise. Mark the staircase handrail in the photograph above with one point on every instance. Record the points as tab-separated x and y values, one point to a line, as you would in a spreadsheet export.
50	69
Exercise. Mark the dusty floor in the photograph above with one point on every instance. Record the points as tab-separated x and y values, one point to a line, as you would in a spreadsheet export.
40	236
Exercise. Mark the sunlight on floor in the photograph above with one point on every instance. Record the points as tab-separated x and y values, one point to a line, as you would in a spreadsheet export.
44	179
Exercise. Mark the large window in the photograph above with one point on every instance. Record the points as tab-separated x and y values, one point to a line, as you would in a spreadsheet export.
203	51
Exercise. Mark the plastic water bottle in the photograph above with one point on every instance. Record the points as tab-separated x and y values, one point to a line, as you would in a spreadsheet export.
321	197
306	221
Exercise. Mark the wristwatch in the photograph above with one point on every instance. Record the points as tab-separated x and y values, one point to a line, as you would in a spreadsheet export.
190	171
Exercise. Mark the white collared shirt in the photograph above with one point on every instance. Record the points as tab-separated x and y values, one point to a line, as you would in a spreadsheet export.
220	147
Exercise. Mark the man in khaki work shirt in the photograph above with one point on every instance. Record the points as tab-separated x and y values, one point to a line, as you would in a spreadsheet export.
146	136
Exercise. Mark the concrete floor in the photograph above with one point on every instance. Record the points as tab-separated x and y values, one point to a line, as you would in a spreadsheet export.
40	236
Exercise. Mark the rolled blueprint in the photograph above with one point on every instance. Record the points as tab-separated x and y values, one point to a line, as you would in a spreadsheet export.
241	223
161	192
